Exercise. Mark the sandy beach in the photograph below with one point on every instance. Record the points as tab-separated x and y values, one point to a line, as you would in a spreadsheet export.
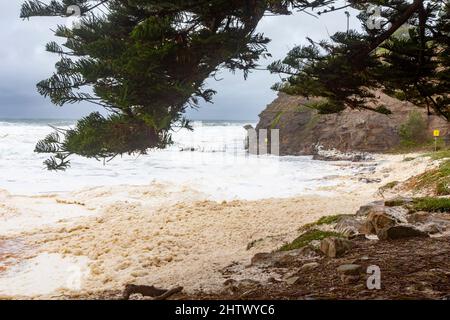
102	238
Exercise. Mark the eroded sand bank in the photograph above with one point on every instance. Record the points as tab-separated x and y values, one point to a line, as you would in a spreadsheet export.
163	235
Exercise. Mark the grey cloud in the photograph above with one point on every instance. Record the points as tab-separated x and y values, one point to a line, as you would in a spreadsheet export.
24	62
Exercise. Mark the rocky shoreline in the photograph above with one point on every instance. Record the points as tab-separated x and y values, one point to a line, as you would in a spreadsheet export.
303	131
409	248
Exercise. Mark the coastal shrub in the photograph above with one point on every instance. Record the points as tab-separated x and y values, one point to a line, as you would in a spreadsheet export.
394	203
324	221
326	107
414	131
383	110
400	95
439	155
432	204
389	186
331	219
443	188
437	179
307	237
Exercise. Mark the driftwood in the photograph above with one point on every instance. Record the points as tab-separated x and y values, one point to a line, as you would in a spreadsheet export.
149	291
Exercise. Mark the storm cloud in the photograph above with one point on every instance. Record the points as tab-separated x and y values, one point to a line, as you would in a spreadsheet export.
24	62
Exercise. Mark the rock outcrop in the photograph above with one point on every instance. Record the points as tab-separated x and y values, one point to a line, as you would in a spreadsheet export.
302	129
335	247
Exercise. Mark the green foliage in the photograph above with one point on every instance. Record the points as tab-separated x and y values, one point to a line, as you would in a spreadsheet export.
439	155
400	95
326	107
432	204
414	131
389	186
408	59
436	179
383	110
306	239
443	187
331	219
327	220
324	70
395	203
96	136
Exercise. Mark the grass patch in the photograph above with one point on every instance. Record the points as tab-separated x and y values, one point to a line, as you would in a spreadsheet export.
324	221
325	106
331	219
414	131
437	180
432	204
394	203
426	148
307	237
443	188
389	186
439	155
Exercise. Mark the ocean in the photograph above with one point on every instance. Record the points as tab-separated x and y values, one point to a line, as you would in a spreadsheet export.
211	159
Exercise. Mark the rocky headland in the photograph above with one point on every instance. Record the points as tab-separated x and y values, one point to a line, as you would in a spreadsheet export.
303	130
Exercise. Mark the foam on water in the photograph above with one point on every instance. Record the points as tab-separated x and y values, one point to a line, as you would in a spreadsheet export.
218	166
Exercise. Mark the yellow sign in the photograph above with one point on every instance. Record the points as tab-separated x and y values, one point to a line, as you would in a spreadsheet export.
437	133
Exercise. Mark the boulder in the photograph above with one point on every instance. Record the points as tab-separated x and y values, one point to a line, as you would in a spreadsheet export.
348	226
400	232
377	221
374	206
419	217
381	217
334	247
430	223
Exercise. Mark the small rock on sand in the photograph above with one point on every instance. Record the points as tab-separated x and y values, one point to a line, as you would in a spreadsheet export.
335	247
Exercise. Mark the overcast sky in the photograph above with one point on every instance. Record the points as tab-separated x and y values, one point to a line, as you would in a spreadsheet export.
24	62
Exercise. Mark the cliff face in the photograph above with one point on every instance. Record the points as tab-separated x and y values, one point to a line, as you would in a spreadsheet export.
302	128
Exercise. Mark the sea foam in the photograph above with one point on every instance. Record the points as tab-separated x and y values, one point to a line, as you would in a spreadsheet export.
210	159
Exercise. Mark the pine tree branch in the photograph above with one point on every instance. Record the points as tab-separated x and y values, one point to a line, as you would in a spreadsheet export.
413	8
